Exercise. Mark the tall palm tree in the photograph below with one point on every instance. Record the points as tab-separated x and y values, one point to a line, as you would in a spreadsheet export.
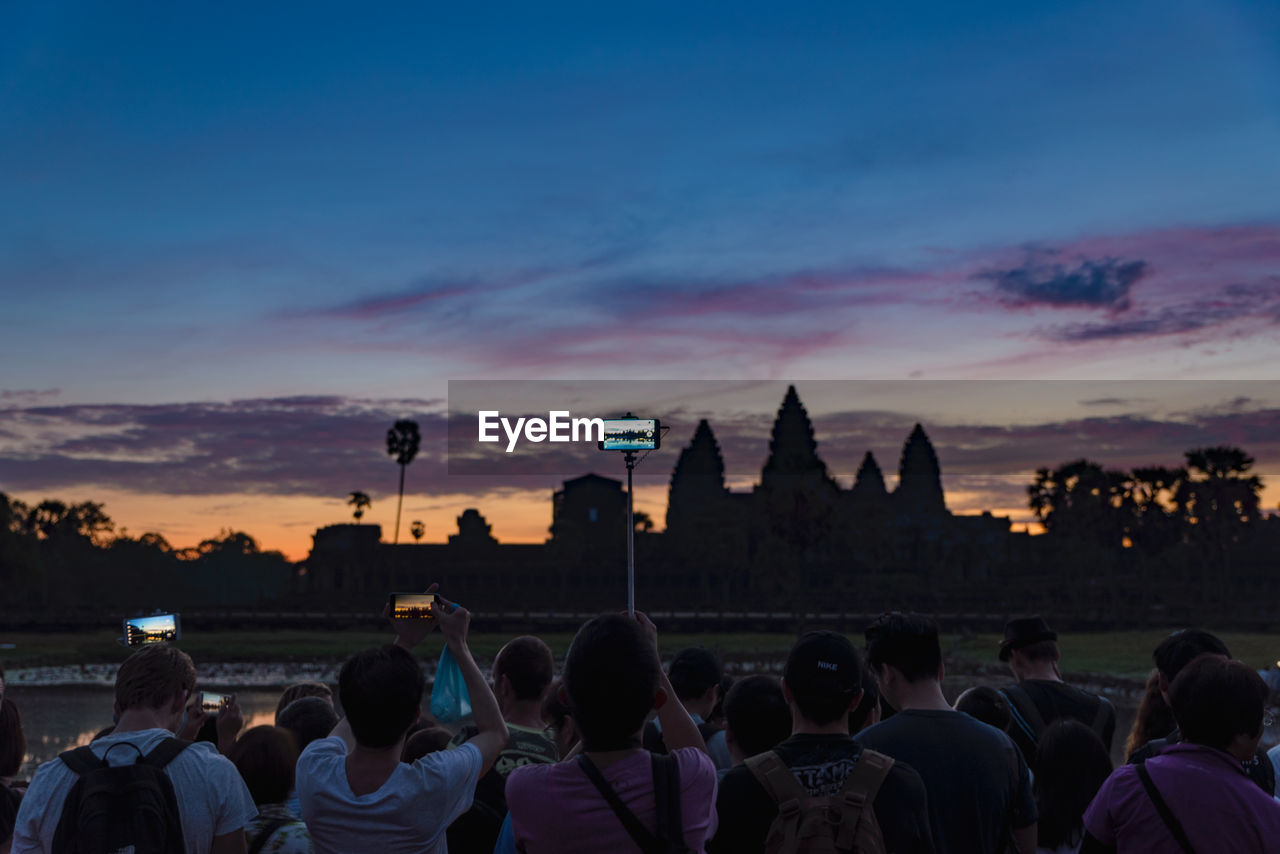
359	502
417	529
402	443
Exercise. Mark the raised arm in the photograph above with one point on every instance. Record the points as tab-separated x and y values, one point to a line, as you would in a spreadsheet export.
492	736
678	728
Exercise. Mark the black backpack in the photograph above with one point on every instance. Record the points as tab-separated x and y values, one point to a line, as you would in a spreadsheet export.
125	807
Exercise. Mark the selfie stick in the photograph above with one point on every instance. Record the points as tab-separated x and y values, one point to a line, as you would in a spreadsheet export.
630	458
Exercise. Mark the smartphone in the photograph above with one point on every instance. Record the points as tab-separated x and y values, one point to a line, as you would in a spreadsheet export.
414	606
631	434
211	703
140	631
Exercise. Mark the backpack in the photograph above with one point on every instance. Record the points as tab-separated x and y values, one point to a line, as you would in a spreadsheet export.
1027	717
668	836
844	822
125	808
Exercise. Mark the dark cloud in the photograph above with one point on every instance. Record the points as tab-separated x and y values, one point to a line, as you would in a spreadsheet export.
1112	401
27	396
1101	283
1231	303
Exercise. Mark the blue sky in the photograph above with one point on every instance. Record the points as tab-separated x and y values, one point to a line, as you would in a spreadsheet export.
368	200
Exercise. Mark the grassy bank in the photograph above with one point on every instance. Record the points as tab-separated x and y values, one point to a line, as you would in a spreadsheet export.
1118	654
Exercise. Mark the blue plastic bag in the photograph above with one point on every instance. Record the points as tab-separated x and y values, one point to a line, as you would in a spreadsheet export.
449	698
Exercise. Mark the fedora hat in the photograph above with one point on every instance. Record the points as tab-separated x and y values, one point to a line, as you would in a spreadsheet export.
1024	631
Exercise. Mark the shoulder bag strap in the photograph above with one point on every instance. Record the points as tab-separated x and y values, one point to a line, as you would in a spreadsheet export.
1026	716
1170	820
666	795
165	752
634	828
82	760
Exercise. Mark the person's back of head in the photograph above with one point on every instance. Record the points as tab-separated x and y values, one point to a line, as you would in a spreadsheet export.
1219	703
381	693
425	741
611	676
265	756
693	672
1182	647
1071	765
308	718
1153	719
153	676
823	675
757	716
987	705
13	741
298	690
867	712
906	642
528	665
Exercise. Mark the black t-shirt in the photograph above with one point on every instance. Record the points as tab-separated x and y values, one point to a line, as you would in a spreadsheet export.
476	830
821	763
1259	769
1054	700
978	783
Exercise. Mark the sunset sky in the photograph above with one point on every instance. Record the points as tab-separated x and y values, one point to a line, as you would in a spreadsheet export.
237	243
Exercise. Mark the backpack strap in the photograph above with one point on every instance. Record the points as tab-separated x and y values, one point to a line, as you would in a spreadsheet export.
637	831
1026	716
666	795
1166	814
268	830
165	752
82	760
859	794
781	785
1100	719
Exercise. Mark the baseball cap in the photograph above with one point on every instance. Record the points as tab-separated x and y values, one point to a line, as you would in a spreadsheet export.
823	664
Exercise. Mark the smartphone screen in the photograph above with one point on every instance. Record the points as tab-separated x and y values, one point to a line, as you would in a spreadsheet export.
212	703
413	606
630	434
141	631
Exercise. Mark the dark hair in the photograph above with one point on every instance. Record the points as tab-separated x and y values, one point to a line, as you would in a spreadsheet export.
553	710
907	642
308	718
861	713
1071	765
987	705
693	671
1178	649
381	694
611	676
717	711
1214	699
266	756
298	690
528	664
427	740
13	742
152	676
757	714
1154	718
1045	650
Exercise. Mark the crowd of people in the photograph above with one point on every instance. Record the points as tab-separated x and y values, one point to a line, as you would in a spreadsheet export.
854	749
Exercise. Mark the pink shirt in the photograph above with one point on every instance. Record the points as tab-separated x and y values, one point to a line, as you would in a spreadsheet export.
556	810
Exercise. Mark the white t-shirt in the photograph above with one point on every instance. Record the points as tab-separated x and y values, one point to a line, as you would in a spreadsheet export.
409	813
212	799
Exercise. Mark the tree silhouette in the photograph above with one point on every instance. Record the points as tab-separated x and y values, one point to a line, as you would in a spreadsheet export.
359	502
643	521
402	443
417	529
1218	502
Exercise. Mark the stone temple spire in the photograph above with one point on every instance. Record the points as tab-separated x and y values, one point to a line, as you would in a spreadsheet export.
793	452
919	491
868	485
697	482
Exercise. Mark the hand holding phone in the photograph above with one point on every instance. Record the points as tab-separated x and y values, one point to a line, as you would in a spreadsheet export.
413	615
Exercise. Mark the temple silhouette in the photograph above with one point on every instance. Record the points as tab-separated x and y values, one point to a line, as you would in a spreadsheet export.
797	540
